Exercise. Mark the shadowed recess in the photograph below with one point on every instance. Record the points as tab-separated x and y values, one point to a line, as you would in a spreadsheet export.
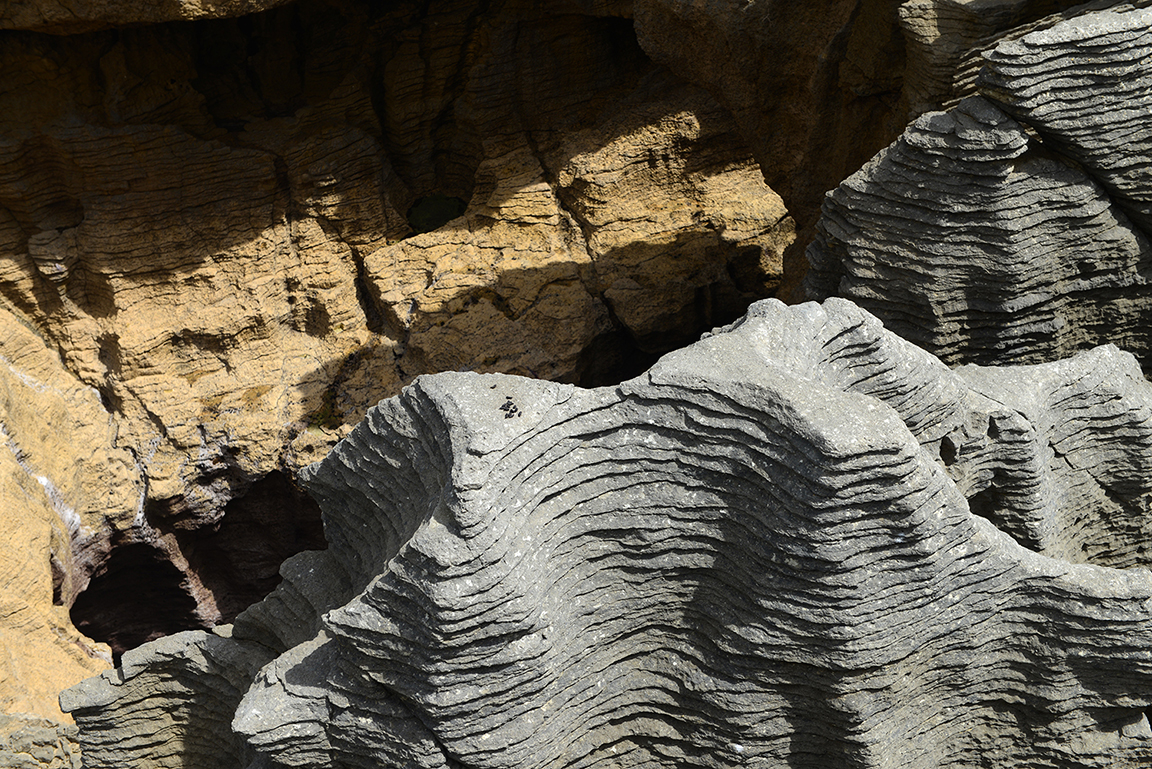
136	596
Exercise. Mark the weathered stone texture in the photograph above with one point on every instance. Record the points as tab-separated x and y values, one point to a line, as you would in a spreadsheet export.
814	88
57	481
944	40
990	239
28	742
970	242
204	226
760	550
1083	86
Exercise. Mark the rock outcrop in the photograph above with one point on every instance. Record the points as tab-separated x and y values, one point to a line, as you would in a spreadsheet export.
30	742
228	228
70	16
224	239
944	40
763	549
1014	227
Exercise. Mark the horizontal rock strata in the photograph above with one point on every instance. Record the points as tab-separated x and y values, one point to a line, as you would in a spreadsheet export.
944	40
222	240
759	551
1083	86
968	241
1011	228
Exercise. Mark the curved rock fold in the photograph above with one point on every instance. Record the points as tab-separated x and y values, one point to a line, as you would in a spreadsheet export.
760	551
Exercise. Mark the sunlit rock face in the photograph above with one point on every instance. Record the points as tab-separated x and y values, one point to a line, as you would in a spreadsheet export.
224	237
801	541
1012	228
71	16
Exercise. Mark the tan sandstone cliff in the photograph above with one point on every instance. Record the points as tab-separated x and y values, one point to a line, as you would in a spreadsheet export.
208	272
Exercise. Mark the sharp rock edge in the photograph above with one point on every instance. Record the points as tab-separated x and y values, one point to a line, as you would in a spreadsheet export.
1012	228
757	553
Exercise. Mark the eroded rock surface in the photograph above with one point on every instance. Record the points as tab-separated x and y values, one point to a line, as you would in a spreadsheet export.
816	89
944	40
760	550
221	243
990	239
28	742
1053	81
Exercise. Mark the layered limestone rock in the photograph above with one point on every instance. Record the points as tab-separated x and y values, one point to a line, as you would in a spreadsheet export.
69	16
997	240
944	40
61	490
947	41
762	550
1051	79
970	241
28	742
224	240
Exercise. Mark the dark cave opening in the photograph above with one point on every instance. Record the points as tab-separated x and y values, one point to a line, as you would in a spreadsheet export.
137	595
140	594
432	212
238	562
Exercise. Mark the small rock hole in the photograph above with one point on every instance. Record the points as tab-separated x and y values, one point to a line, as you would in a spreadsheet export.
434	211
947	451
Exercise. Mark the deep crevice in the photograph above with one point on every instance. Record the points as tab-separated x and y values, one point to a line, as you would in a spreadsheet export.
238	562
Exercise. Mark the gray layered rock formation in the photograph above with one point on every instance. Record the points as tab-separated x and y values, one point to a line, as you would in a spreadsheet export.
32	742
1012	228
945	39
1083	86
760	552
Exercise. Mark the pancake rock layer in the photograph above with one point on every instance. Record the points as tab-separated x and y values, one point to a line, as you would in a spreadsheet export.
760	551
1012	228
223	240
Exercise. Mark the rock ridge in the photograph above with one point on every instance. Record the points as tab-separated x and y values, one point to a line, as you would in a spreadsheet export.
1012	228
761	549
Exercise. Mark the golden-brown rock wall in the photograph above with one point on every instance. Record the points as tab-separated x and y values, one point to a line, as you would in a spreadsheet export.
222	240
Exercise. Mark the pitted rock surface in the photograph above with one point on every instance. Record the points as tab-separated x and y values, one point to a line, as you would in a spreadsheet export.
760	550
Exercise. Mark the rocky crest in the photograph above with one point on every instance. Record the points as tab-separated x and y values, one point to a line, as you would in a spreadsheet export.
1013	227
762	549
225	239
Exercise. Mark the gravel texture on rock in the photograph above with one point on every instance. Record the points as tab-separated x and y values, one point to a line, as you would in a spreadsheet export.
31	742
761	550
